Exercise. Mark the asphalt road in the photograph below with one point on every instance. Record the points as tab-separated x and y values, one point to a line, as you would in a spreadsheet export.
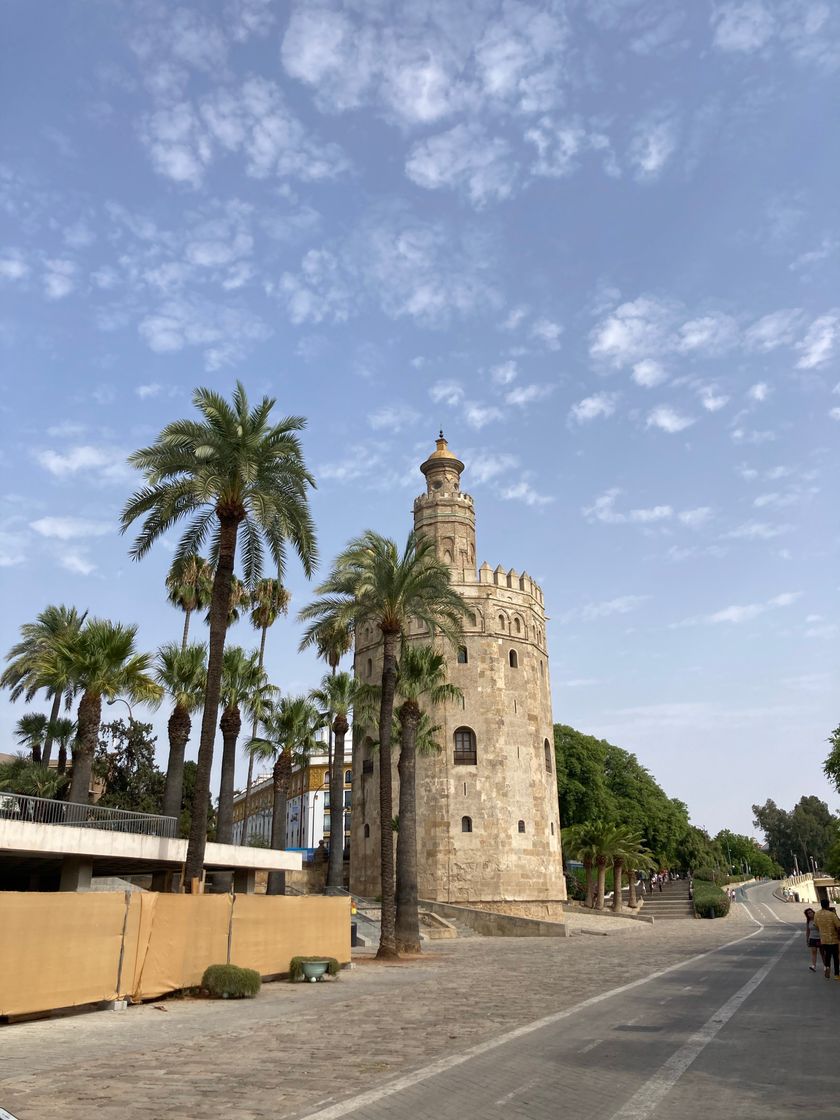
744	1031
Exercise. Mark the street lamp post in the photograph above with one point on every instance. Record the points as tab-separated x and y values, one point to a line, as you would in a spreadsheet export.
119	700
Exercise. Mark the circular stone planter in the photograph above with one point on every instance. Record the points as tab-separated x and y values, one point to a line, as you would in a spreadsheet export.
315	970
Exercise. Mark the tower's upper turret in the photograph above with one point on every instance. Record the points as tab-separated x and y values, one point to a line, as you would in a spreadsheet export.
444	512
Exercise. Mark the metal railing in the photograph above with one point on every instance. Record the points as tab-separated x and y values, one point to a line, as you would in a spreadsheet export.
43	810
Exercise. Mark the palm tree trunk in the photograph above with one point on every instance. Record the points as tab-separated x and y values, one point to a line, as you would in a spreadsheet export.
387	937
335	869
282	774
179	732
90	716
602	885
408	917
230	725
186	634
246	810
62	757
632	901
618	868
36	751
590	884
219	607
55	711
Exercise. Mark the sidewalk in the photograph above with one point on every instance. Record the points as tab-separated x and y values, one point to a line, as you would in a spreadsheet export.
299	1046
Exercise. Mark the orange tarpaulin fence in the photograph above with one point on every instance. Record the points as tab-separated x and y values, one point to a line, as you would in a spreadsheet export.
63	950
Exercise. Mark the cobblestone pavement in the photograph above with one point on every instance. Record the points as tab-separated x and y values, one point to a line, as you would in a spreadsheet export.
298	1047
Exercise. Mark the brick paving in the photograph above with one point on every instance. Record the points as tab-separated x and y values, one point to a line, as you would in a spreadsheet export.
298	1047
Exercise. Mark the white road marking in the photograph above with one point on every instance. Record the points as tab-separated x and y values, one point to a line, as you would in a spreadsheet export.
630	1022
642	1104
784	921
514	1092
590	1046
362	1100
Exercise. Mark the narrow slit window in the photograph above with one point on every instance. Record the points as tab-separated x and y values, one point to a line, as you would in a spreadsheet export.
521	826
513	659
547	749
462	655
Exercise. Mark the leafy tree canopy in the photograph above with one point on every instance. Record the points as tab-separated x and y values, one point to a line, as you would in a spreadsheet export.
809	829
125	762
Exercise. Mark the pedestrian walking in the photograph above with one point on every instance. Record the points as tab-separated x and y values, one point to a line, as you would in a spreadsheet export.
828	924
812	937
659	879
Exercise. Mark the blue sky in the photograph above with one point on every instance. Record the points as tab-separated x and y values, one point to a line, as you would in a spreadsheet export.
597	242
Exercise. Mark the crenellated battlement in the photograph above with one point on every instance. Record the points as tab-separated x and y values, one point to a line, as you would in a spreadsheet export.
501	577
435	499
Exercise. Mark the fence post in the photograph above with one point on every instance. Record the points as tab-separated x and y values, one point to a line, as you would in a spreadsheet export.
232	898
122	945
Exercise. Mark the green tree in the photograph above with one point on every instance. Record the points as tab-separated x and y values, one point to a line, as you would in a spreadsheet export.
243	480
421	678
628	852
831	766
62	731
189	585
269	600
181	671
336	698
100	660
125	762
290	738
807	830
244	686
22	775
30	732
373	583
580	842
25	673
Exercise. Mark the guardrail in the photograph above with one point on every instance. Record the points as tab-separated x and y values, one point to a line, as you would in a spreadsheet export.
44	810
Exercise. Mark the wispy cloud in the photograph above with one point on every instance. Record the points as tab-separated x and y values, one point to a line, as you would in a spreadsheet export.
599	405
757	531
524	492
820	342
737	614
591	612
526	394
394	418
103	462
71	528
447	392
667	419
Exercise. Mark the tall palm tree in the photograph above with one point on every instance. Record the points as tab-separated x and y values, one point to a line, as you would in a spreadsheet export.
626	846
269	600
336	698
606	841
99	661
244	685
182	672
421	677
242	480
290	737
30	731
189	584
21	676
240	597
580	842
62	731
373	583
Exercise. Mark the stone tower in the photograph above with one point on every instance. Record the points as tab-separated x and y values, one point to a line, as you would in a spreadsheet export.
488	830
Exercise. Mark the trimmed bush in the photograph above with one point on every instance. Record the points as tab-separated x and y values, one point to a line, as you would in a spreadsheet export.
296	967
709	900
229	981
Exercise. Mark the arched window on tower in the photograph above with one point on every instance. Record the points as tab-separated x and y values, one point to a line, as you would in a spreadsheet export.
513	659
501	622
465	751
521	826
462	655
466	824
517	626
547	748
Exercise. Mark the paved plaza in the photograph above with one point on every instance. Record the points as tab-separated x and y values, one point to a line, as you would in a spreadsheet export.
304	1049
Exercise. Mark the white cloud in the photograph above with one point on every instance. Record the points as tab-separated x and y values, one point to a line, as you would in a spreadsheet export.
746	26
710	333
479	415
713	401
818	346
107	463
515	318
603	509
649	373
695	518
224	334
737	614
526	394
547	332
71	528
749	435
12	265
758	392
834	413
361	462
591	612
632	332
524	492
653	143
77	562
485	466
758	531
774	330
393	417
59	278
320	291
447	392
466	159
558	146
594	407
668	420
144	392
504	373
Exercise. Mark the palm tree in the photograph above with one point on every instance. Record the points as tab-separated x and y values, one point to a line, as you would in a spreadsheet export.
290	737
626	846
244	685
62	730
580	842
337	697
607	840
30	732
240	596
372	583
21	676
269	600
98	661
182	672
189	584
421	677
244	480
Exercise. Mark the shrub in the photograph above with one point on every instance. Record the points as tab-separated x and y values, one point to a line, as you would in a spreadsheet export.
229	981
709	900
296	966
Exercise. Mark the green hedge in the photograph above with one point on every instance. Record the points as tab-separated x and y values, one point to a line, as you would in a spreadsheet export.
296	966
229	981
709	900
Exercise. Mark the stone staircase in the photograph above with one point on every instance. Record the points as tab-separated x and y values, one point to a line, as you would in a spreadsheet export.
672	902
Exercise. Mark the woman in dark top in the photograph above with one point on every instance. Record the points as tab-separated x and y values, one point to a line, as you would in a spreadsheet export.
812	938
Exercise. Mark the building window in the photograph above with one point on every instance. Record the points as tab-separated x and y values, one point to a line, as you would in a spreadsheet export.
465	753
348	798
513	659
369	668
552	828
501	622
462	655
348	777
466	824
367	832
547	748
517	625
542	669
521	826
